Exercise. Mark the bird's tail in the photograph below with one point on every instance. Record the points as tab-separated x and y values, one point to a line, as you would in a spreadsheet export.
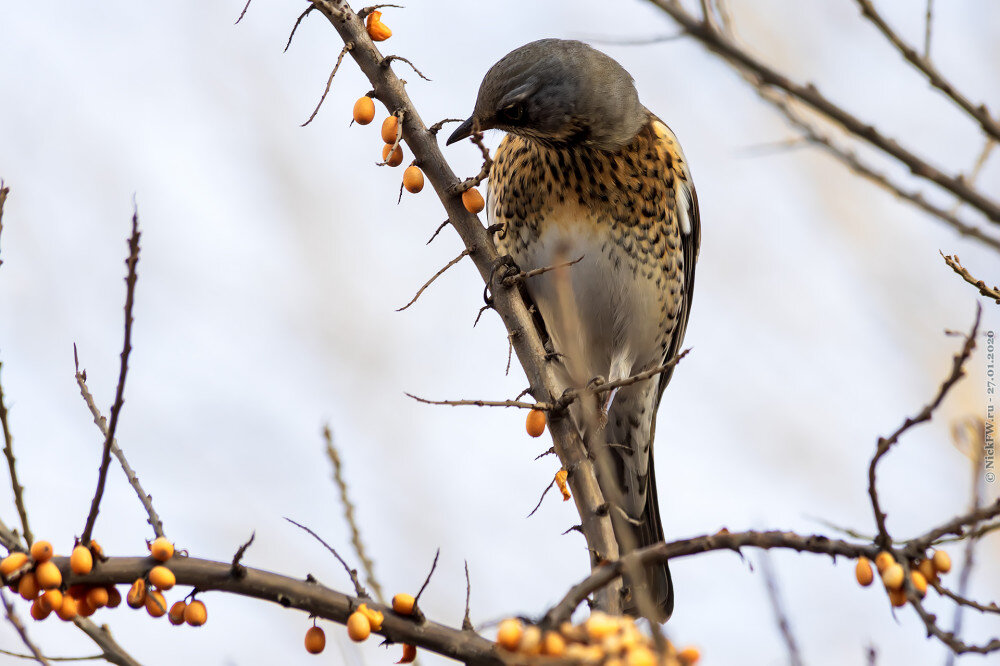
656	584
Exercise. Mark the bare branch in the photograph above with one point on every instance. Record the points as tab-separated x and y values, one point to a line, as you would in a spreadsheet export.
243	13
329	82
466	252
780	616
484	171
545	406
116	408
466	620
8	451
352	574
388	60
4	191
524	275
884	444
430	573
928	20
978	112
296	26
133	479
12	617
345	500
236	569
101	635
955	265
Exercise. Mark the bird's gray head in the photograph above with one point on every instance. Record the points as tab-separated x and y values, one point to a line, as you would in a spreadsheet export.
560	92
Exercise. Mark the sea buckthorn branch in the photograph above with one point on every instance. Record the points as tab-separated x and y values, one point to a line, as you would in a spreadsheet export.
721	43
345	501
925	66
329	82
508	303
955	265
15	621
359	589
112	652
102	423
464	253
925	414
116	408
306	595
8	451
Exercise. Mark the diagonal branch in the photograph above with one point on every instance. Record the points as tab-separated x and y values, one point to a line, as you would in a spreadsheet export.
466	252
12	617
923	63
116	408
102	423
955	265
8	451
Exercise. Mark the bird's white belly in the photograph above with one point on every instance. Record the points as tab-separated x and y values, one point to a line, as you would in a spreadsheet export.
602	314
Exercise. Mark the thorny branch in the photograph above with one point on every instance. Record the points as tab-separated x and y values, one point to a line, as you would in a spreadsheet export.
345	500
102	423
359	589
809	94
484	171
466	252
329	82
21	630
8	451
955	265
886	443
116	408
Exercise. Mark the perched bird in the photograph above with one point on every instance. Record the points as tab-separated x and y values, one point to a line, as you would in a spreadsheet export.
587	171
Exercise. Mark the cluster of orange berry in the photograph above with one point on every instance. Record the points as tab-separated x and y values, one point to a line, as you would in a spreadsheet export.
38	580
601	639
921	572
362	622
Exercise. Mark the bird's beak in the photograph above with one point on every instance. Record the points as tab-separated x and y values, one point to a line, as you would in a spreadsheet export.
462	132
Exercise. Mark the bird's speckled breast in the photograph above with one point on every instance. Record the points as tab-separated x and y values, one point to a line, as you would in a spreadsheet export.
628	205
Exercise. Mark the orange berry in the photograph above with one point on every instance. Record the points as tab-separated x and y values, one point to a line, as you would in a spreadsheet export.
78	591
919	582
51	599
378	31
358	627
13	562
403	604
156	605
554	645
114	597
893	576
364	110
473	201
395	159
81	561
883	560
315	640
409	654
96	550
41	551
67	611
600	625
161	549
413	179
136	597
942	561
162	577
926	567
863	572
640	656
196	614
897	597
98	597
389	127
40	610
176	613
535	423
84	609
375	617
28	587
48	575
509	634
689	655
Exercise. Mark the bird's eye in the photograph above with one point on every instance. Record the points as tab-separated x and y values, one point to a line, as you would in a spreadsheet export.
513	112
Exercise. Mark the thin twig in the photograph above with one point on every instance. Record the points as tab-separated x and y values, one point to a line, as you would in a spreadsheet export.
12	617
133	479
886	443
296	26
780	616
345	500
32	657
484	171
4	191
542	498
466	620
244	12
928	20
544	406
352	573
8	451
237	569
329	82
978	112
388	60
510	281
632	41
466	252
955	265
437	231
116	408
430	573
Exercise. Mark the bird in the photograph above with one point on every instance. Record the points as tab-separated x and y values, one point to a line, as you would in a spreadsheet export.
586	171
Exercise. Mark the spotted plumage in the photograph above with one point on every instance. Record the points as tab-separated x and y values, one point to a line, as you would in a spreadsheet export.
587	172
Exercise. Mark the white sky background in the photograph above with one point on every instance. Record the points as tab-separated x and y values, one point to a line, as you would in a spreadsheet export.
273	258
